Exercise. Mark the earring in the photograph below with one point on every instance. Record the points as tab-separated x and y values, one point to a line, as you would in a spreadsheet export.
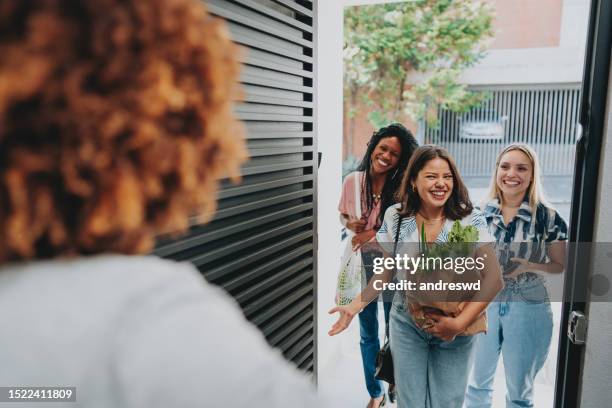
394	174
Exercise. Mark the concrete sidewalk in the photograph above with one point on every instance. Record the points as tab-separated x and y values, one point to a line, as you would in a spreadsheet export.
342	379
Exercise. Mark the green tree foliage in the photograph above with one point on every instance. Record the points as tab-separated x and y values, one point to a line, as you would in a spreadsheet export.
404	59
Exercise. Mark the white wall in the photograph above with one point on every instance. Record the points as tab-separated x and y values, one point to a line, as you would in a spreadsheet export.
329	133
329	141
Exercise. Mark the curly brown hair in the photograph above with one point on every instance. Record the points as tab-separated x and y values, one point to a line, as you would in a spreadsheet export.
115	123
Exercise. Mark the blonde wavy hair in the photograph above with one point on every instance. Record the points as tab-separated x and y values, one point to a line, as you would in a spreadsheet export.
115	123
535	191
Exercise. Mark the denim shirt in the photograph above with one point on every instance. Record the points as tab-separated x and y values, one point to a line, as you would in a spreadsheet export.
526	236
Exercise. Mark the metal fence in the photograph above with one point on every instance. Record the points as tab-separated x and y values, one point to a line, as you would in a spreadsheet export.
545	118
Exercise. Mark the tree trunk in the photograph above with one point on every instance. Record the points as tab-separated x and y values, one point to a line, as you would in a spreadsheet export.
351	127
399	102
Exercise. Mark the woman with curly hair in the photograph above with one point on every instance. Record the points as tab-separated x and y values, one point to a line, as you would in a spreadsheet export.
115	125
378	175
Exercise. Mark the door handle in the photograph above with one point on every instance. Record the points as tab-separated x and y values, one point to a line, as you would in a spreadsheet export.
577	328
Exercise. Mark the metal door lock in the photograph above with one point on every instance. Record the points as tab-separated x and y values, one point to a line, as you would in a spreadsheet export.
577	328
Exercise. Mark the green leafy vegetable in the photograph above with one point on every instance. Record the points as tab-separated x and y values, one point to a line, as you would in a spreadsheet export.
460	242
460	233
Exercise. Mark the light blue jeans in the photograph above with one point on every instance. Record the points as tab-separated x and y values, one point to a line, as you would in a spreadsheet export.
520	328
429	372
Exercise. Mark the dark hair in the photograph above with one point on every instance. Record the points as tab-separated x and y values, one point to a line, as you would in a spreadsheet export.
392	183
456	207
116	123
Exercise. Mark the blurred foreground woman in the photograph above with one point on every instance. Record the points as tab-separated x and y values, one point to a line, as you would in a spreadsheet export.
115	123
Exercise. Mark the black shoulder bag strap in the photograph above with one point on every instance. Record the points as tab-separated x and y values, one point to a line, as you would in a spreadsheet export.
397	231
396	242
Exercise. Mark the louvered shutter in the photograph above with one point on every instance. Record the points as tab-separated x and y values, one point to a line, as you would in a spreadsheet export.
260	247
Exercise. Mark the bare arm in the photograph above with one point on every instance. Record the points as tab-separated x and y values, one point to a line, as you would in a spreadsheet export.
556	254
355	225
361	301
492	281
362	238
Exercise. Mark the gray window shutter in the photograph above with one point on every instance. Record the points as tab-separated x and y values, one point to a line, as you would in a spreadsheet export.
260	247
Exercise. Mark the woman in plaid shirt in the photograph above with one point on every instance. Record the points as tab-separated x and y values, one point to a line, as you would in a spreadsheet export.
530	238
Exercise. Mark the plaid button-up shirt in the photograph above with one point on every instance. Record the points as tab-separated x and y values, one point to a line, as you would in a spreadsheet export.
526	236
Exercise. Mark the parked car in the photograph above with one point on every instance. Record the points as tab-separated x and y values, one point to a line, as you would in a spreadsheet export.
482	125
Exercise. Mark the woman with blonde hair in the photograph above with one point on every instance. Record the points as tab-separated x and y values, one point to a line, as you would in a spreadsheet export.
530	238
116	124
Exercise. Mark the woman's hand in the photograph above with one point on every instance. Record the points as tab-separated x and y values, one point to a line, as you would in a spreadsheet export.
524	266
556	254
361	238
346	317
444	327
356	225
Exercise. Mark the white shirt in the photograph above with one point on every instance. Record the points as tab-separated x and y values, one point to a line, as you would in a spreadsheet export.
131	331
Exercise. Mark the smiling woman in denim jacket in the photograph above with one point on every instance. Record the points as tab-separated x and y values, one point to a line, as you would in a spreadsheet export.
530	239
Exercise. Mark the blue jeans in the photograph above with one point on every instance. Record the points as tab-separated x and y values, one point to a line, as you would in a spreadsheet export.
520	328
429	372
369	343
368	330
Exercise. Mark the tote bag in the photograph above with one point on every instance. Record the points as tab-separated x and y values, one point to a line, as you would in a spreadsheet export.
351	277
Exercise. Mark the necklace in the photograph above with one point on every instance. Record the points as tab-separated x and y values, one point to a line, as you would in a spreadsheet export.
376	197
433	221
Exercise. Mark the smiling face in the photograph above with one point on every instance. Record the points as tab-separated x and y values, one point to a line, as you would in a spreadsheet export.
434	183
514	173
386	155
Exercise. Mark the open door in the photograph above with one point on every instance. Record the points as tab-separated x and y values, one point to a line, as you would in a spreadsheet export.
588	152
